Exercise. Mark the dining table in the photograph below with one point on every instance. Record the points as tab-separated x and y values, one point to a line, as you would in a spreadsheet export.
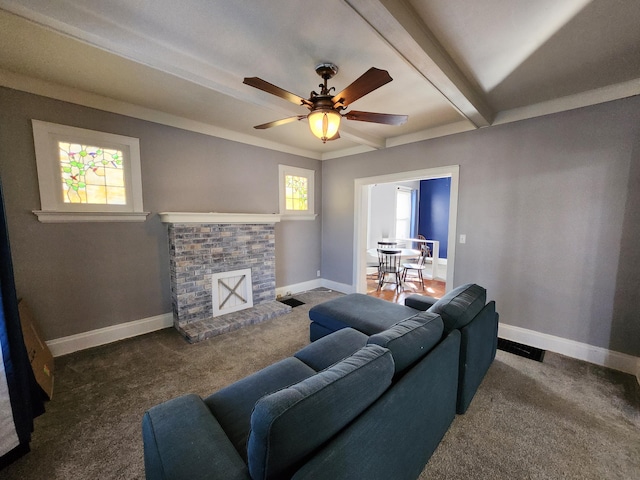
404	252
407	253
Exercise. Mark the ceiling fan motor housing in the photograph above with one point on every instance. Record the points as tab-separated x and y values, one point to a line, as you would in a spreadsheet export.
326	70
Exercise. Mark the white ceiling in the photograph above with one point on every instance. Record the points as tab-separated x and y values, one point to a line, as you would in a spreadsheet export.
456	64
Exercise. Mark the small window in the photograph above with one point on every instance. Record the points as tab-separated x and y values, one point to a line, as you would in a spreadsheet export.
86	175
297	192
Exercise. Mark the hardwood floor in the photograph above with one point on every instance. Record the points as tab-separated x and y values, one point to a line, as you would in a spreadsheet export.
432	288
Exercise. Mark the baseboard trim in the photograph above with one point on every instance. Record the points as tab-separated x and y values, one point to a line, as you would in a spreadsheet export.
581	351
311	284
102	336
338	287
298	287
570	348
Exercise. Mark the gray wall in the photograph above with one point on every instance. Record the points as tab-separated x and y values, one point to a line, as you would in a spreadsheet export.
550	207
550	210
84	276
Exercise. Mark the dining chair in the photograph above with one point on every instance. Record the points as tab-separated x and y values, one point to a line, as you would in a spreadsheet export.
389	265
422	237
418	266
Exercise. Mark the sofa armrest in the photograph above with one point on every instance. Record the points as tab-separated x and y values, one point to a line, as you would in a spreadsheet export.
183	440
420	302
477	351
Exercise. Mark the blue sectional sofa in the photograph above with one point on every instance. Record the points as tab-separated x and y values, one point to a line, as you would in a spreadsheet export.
352	404
464	308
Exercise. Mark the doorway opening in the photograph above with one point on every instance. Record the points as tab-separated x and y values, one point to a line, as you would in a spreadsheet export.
363	214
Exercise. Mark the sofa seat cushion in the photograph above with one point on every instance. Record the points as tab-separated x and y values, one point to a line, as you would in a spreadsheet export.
411	339
366	314
232	405
332	348
458	307
288	425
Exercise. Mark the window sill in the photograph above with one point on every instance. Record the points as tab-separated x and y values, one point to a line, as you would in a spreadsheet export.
48	216
298	216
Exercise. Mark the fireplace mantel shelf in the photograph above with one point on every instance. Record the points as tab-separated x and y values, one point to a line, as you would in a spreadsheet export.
214	217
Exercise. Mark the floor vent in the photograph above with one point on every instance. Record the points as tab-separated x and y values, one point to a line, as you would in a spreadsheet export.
292	302
526	351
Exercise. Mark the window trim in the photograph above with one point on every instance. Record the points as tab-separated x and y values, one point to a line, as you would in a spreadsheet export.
53	208
309	214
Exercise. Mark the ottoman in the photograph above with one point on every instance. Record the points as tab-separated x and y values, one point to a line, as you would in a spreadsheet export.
369	315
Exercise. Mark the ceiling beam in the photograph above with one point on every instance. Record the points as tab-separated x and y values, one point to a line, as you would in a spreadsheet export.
362	138
435	132
399	24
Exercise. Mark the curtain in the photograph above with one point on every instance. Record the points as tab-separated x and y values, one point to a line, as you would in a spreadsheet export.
414	213
20	396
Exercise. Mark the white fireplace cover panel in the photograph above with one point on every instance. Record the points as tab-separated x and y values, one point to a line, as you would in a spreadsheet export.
232	291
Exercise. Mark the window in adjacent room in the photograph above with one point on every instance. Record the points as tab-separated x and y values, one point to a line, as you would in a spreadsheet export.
85	175
297	192
403	212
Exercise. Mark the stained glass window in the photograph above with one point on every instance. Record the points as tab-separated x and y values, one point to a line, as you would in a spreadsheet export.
86	175
296	194
92	174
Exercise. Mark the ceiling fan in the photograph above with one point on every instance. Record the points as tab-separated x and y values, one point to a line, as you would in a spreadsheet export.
325	108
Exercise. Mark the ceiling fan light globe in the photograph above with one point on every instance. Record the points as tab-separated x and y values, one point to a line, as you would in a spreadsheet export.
324	123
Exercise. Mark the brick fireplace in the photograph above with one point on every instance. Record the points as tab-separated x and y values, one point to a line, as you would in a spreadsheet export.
224	258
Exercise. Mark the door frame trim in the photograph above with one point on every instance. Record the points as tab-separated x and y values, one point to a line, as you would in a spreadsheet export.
362	212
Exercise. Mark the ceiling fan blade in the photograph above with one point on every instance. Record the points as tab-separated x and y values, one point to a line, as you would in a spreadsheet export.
367	83
280	122
386	118
277	91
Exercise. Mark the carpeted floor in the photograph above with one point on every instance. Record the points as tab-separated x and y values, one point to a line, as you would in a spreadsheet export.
558	419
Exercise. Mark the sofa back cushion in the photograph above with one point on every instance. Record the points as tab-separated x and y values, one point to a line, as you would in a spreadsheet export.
332	348
458	307
288	425
232	405
411	339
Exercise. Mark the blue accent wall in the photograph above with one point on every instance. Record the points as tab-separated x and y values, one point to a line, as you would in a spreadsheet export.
434	211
